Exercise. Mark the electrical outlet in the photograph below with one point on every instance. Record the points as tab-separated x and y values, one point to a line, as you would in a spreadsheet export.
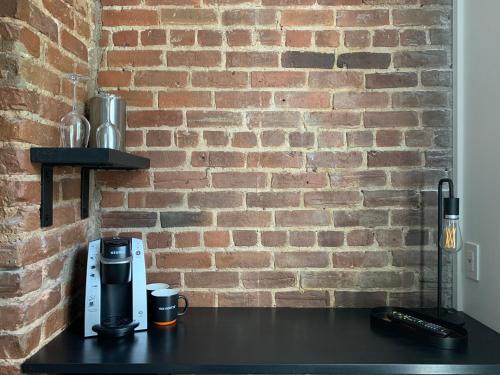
471	263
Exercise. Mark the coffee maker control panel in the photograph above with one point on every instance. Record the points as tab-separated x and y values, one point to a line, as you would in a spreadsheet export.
92	288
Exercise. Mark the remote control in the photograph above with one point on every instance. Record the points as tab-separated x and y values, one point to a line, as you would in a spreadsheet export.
420	324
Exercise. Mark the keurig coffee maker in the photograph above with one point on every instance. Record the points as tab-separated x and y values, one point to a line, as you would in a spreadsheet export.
115	294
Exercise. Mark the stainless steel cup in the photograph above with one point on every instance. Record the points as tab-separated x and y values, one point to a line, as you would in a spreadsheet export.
97	114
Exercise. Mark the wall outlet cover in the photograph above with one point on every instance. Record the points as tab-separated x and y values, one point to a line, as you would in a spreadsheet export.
471	262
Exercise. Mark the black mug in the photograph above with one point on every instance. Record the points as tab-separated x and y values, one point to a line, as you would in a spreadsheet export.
150	288
165	309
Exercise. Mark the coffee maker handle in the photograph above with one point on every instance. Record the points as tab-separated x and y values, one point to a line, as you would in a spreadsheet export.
185	306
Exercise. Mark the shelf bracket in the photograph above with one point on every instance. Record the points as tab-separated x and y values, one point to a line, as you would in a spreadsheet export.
84	192
47	195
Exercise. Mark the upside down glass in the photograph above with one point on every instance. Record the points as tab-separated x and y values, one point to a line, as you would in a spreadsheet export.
108	135
75	128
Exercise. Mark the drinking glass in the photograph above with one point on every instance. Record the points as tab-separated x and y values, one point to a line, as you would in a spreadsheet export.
108	135
75	128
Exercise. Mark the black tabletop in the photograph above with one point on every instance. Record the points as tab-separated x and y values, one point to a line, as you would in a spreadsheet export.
237	340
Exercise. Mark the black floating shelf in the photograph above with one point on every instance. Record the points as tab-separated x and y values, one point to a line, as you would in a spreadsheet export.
86	158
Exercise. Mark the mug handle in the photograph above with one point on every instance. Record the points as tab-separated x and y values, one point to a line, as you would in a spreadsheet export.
185	307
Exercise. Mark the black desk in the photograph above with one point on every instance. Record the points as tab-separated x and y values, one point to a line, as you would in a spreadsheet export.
266	341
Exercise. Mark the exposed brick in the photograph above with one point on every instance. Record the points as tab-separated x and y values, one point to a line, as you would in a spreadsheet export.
394	158
129	219
134	58
364	100
242	99
151	78
274	119
154	199
289	159
297	139
361	138
216	238
315	60
182	37
309	298
245	299
335	79
272	199
415	99
187	239
327	38
180	180
127	38
360	237
386	38
398	198
389	80
330	139
437	78
245	237
362	218
239	180
238	38
181	16
217	279
129	17
325	159
357	38
298	180
273	238
269	37
298	38
268	279
218	159
219	79
364	60
331	238
244	259
333	119
153	37
390	119
193	58
302	218
420	59
251	59
216	138
185	219
183	260
302	238
420	17
362	18
331	198
278	79
215	199
359	299
244	140
209	38
306	17
329	279
208	119
249	17
158	240
244	219
388	138
301	259
412	38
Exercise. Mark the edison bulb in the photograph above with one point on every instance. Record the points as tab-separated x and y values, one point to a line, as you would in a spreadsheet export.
451	236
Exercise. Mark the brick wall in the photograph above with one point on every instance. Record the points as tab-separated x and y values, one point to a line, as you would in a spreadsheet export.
295	146
40	269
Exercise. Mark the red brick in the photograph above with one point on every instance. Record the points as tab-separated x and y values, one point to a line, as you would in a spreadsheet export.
389	80
394	158
186	139
209	38
390	119
216	138
112	199
301	180
114	78
244	140
327	38
333	119
19	345
217	159
385	38
188	16
244	237
239	180
150	78
245	299
183	260
269	37
362	218
58	60
301	259
309	99
244	219
274	119
302	218
350	100
289	159
164	159
270	138
244	259
153	37
154	199
61	11
129	17
331	198
216	279
209	119
329	279
330	139
216	238
271	199
249	17
134	58
278	79
251	59
273	238
335	79
187	239
219	79
306	17
153	118
325	159
193	58
330	238
357	38
159	240
421	59
362	138
360	237
176	99
180	180
129	219
242	99
420	17
31	41
127	38
362	18
118	179
302	239
238	38
215	199
182	37
388	138
298	38
159	138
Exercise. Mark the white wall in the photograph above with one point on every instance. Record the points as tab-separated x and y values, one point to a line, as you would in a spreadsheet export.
477	109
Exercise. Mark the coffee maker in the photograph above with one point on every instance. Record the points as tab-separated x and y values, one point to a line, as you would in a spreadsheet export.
115	292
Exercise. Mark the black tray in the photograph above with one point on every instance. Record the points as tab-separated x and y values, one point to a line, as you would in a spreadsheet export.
381	322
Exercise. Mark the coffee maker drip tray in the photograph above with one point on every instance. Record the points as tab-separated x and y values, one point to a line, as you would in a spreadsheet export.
115	327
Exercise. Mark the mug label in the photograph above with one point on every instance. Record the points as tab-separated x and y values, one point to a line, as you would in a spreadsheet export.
166	308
